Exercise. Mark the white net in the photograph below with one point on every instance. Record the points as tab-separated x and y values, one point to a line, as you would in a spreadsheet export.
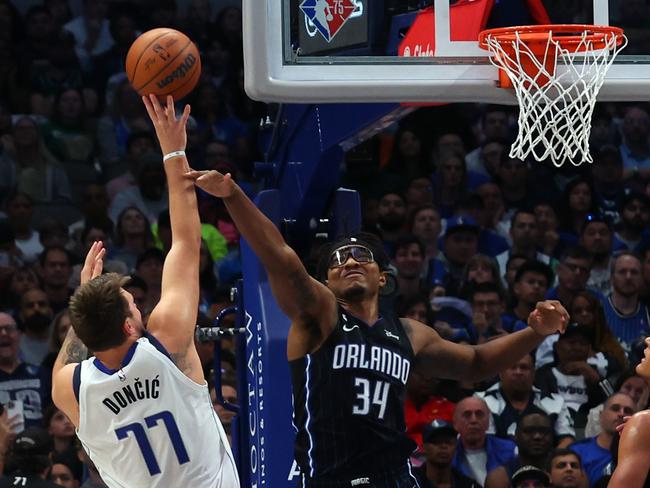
556	92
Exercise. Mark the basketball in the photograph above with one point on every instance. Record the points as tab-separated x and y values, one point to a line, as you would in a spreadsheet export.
163	62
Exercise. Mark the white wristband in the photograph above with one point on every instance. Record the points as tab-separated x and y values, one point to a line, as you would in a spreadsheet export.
173	154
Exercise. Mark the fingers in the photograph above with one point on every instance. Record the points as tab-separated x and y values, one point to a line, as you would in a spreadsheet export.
170	111
195	175
186	115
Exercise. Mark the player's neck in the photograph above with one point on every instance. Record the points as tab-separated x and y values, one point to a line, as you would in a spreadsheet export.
366	309
114	357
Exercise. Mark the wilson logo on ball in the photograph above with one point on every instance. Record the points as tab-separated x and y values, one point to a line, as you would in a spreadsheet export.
179	72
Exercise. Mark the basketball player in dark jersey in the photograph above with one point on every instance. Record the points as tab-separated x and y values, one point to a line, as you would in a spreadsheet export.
349	365
633	468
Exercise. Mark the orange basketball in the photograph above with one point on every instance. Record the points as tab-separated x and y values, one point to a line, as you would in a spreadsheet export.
163	62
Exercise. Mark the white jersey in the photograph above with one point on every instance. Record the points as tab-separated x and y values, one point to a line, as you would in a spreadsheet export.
149	425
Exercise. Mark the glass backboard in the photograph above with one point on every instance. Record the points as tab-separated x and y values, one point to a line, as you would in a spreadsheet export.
415	50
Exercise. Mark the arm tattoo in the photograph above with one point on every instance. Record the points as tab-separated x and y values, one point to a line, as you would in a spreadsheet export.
75	351
181	362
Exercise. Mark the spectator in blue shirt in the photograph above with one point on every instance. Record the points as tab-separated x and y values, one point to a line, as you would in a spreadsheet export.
595	451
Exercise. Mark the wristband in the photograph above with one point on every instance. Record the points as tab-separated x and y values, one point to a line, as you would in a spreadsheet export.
173	154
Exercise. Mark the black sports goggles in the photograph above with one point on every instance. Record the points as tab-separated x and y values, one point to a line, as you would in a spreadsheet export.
361	254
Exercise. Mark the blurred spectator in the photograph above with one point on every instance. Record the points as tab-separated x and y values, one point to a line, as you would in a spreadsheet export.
530	477
391	217
35	317
595	451
635	149
91	31
645	274
512	176
425	224
28	463
515	262
140	149
478	453
70	133
408	259
416	307
62	431
607	173
56	270
40	34
547	224
635	218
149	196
207	278
132	236
448	143
577	201
450	183
488	305
525	237
418	192
22	279
149	266
62	473
211	112
630	384
20	208
53	233
439	442
496	217
490	242
122	28
19	381
409	158
94	207
581	384
59	328
460	245
534	439
514	396
39	174
597	239
495	126
481	269
137	287
530	284
626	316
573	272
566	469
229	394
125	115
423	404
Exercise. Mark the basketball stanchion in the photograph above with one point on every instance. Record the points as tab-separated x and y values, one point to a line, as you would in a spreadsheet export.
556	72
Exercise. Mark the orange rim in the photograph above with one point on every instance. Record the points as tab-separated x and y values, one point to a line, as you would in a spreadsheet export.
568	35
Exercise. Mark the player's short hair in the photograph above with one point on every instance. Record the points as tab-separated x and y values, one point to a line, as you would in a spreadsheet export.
98	311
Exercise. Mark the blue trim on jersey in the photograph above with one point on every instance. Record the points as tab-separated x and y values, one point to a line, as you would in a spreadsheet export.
157	344
311	441
76	381
127	359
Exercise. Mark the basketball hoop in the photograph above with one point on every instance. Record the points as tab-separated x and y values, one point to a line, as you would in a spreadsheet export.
556	72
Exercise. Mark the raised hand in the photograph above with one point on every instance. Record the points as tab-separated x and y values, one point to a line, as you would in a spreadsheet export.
548	317
94	263
213	182
169	130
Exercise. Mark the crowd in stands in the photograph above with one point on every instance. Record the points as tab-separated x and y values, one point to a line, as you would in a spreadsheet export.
476	240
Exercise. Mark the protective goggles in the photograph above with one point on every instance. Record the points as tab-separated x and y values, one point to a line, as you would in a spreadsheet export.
360	254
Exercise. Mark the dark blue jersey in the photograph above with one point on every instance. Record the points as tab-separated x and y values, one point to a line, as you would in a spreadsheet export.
348	400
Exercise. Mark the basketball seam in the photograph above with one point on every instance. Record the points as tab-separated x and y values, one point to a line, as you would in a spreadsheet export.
166	65
179	86
144	50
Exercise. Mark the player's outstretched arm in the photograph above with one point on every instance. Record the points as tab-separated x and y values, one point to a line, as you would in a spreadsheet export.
173	320
303	299
445	359
73	351
633	453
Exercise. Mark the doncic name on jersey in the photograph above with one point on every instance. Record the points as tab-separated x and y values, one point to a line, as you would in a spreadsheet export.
140	390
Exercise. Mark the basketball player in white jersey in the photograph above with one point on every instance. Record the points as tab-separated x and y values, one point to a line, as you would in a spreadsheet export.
141	405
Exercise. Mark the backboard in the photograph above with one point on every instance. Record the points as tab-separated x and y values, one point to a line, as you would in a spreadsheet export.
415	50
